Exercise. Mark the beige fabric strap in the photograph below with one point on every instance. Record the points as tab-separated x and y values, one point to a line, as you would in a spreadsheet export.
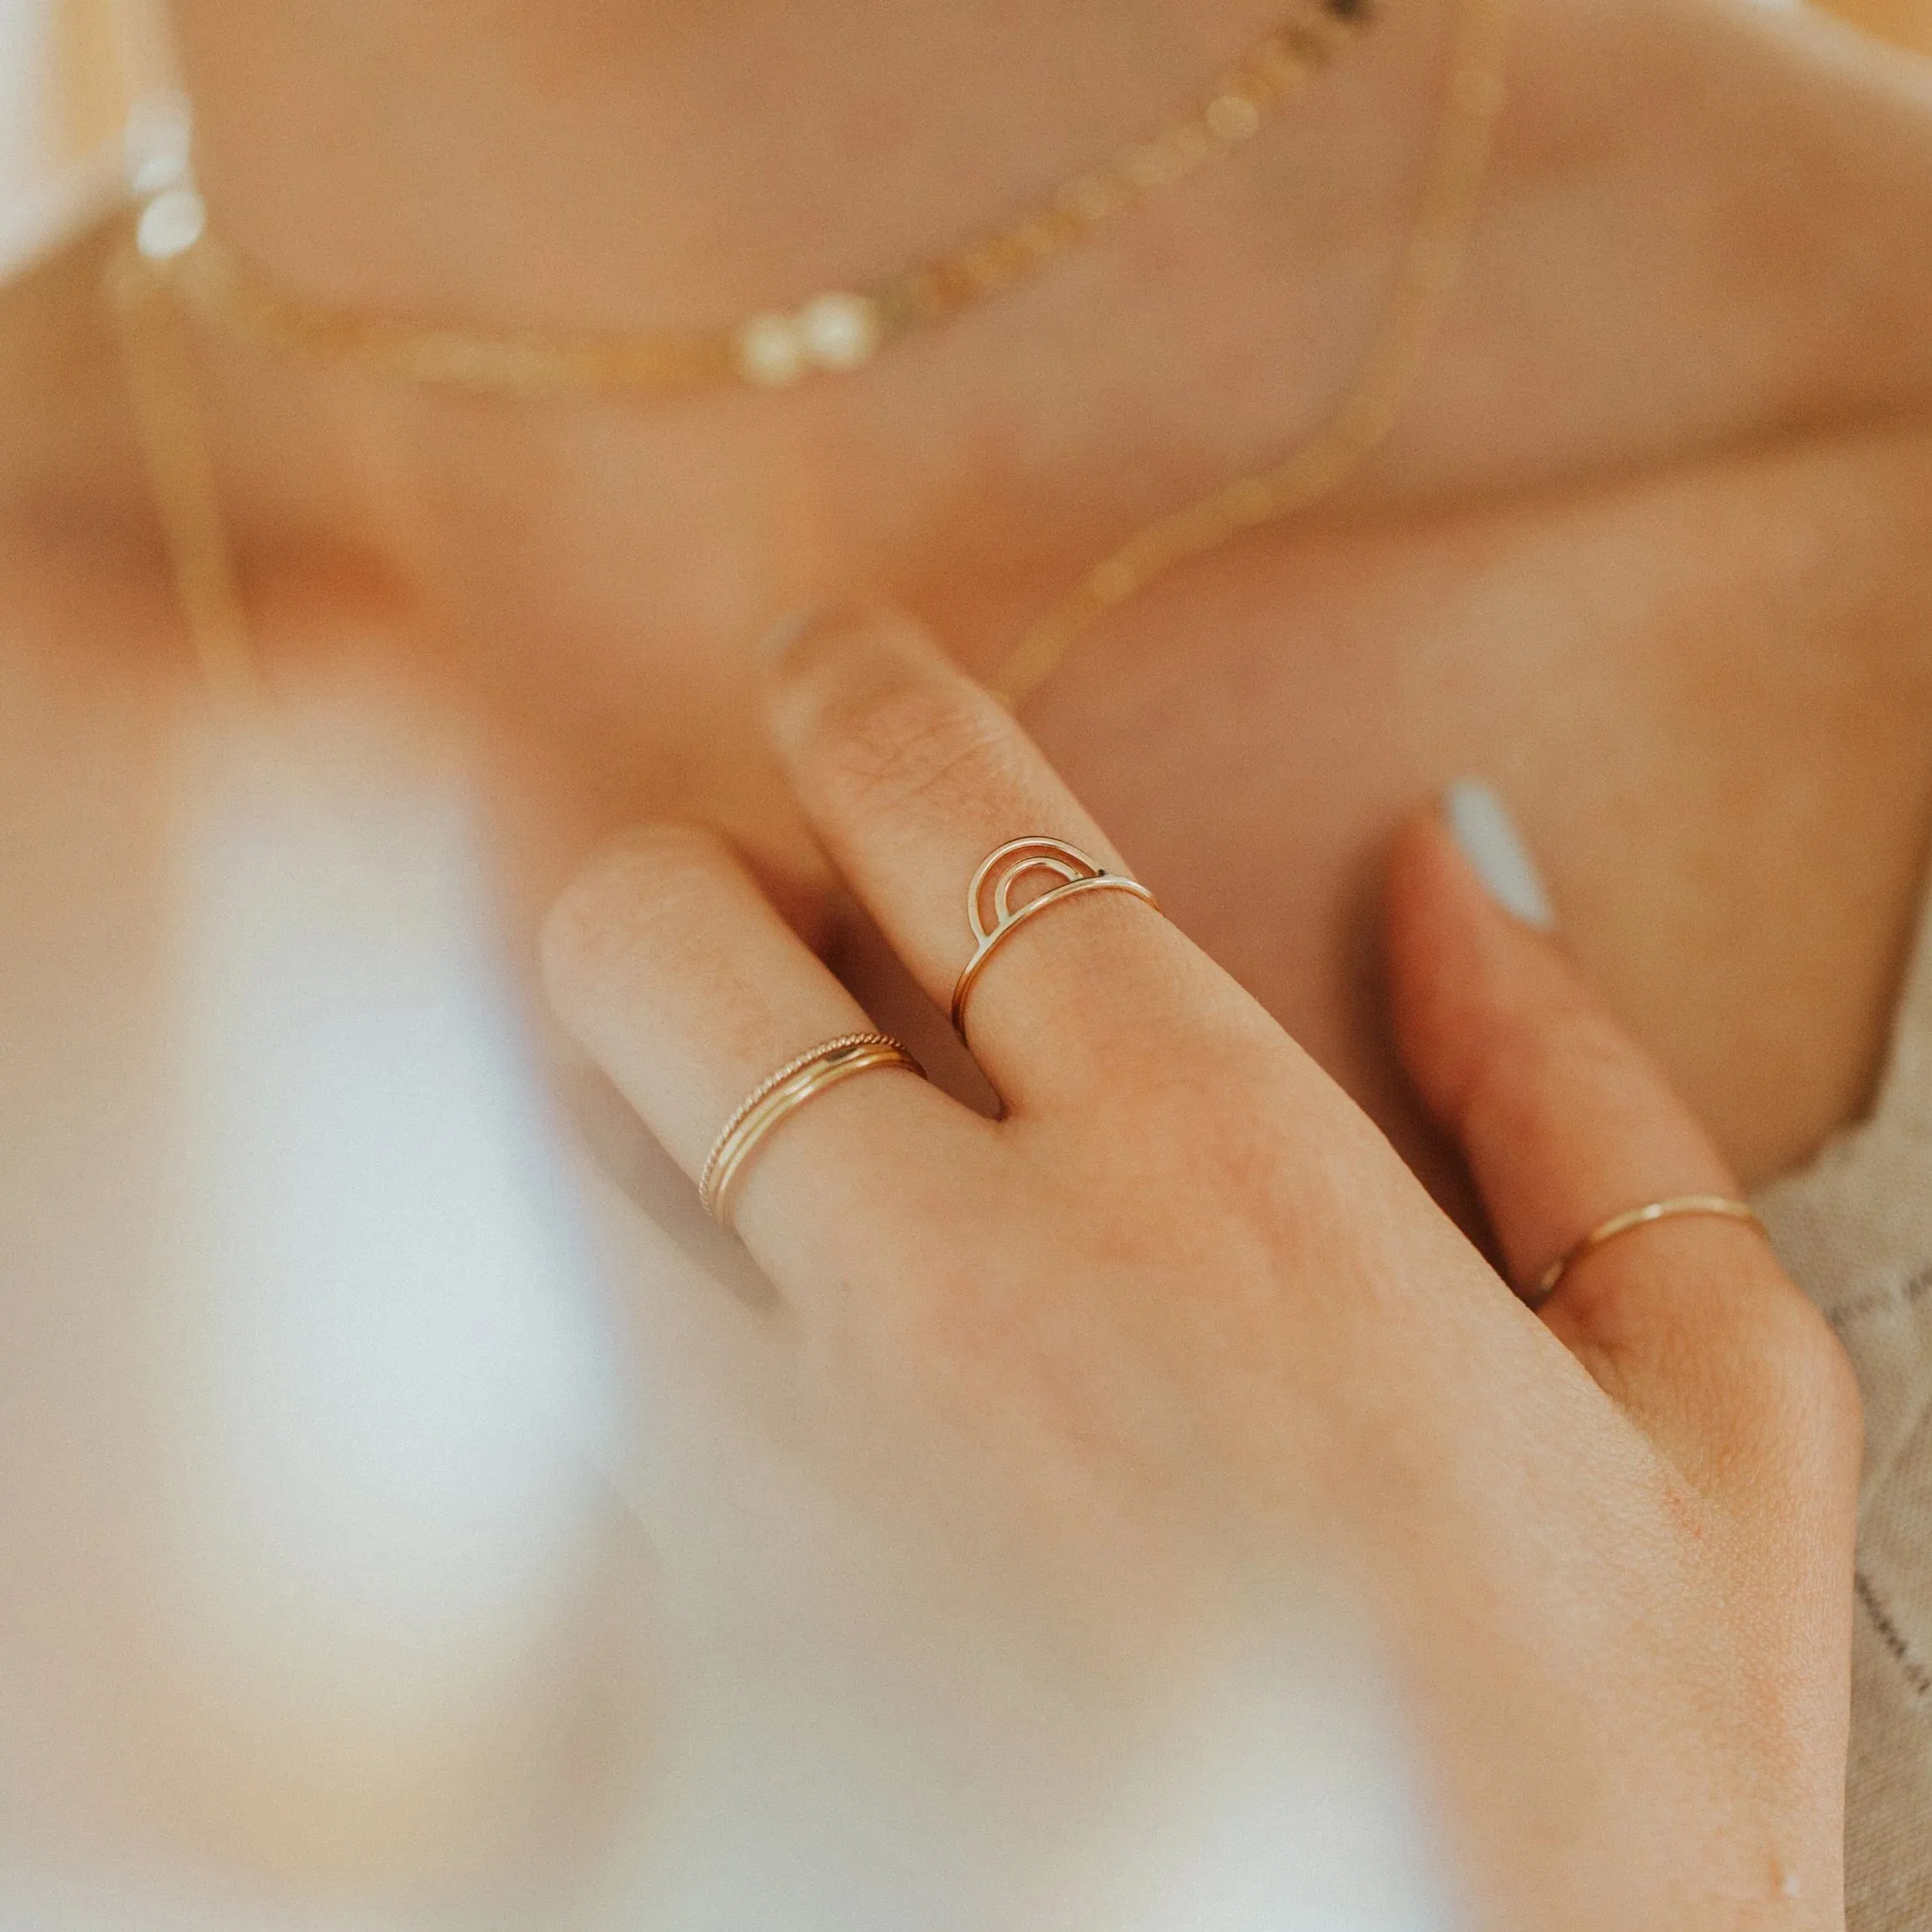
1904	1103
1855	1229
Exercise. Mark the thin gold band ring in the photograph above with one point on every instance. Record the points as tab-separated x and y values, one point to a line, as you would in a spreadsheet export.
993	883
780	1095
1722	1206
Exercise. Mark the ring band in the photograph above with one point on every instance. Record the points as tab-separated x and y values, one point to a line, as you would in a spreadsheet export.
1547	1283
1002	869
782	1093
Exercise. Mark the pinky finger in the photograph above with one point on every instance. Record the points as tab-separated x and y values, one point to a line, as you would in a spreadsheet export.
1565	1121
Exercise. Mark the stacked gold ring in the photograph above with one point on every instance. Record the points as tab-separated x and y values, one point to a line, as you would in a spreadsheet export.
782	1093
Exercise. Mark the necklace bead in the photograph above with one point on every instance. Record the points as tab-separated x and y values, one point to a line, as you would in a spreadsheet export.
770	351
171	225
839	331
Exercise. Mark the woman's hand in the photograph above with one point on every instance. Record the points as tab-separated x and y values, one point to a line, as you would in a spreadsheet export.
1182	1306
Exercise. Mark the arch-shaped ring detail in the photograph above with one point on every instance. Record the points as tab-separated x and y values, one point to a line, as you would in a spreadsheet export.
992	914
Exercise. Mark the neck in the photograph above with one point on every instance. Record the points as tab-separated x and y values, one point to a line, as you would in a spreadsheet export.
587	166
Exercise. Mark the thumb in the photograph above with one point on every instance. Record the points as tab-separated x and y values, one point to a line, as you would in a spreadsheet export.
1565	1121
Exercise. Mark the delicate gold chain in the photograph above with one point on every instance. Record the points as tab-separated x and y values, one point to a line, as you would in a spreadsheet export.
171	255
833	332
1424	278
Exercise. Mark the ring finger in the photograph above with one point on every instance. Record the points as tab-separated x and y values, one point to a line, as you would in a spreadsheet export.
912	776
667	963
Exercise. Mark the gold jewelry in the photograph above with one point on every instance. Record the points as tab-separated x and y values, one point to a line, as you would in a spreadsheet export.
156	355
1001	870
1425	279
833	332
1547	1283
782	1093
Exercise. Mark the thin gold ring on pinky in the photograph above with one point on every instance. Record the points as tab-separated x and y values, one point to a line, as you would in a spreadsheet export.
780	1095
992	887
1547	1283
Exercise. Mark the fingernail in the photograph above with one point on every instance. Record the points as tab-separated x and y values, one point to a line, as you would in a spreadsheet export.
1487	836
771	648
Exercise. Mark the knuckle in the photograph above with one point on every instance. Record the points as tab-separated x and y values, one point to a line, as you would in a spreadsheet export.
1243	1121
1809	1381
1791	1434
614	916
910	743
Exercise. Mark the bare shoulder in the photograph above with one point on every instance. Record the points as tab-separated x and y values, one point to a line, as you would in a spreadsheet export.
65	439
1831	210
1707	230
84	607
85	741
89	654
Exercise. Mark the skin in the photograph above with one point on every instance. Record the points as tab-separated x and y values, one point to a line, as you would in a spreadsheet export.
1182	1309
1669	599
1717	558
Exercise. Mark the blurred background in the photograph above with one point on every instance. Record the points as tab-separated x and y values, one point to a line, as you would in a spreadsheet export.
61	95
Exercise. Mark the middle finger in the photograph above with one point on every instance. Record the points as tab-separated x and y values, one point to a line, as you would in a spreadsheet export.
912	775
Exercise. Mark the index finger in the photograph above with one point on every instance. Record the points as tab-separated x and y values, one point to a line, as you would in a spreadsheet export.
913	778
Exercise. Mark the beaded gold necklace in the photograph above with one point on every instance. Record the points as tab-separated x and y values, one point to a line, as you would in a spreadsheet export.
174	265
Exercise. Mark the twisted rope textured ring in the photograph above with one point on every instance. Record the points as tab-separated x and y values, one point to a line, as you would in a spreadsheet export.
781	1093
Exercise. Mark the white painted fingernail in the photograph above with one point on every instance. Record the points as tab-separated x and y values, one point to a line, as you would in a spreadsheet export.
1480	823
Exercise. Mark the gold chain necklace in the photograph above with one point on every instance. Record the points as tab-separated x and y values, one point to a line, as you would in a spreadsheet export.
172	262
832	333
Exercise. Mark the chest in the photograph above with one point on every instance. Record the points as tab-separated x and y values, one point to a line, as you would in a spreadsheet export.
1708	702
